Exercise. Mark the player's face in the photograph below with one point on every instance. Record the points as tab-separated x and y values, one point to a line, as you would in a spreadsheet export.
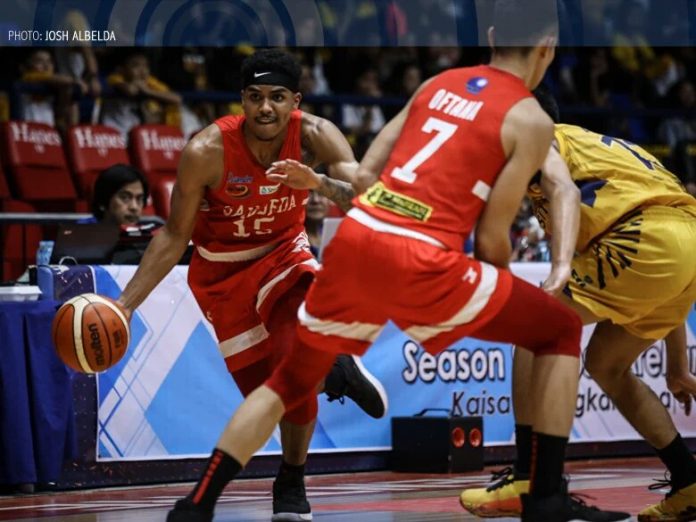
267	109
317	206
126	206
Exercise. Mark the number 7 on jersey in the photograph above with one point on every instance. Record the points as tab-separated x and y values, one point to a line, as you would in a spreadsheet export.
443	132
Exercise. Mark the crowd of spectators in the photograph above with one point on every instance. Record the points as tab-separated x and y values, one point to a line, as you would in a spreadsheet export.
627	88
641	93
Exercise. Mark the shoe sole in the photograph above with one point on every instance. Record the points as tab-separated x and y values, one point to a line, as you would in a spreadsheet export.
504	508
291	517
374	382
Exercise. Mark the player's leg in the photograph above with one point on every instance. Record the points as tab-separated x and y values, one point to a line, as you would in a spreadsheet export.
348	377
501	497
523	363
293	383
608	359
552	332
297	425
611	369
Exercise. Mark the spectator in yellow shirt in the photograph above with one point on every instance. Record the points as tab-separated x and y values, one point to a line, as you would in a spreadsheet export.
56	108
140	98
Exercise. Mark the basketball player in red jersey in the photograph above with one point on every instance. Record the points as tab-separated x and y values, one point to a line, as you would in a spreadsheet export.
252	263
459	155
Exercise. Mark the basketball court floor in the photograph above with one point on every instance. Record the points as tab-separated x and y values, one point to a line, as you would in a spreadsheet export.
368	497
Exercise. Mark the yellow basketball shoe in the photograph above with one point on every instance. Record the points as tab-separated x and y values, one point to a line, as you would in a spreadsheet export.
500	499
677	506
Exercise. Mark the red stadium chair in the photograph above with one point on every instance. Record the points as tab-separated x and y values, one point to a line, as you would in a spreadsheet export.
18	242
155	150
162	195
91	149
4	187
36	166
149	208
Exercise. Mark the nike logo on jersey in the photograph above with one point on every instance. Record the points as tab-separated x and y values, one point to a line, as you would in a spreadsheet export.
258	75
265	190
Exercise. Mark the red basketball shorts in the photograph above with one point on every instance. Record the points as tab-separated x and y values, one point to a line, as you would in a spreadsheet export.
237	296
436	296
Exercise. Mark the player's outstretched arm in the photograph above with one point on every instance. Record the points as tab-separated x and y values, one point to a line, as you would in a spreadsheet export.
201	165
526	135
564	202
322	144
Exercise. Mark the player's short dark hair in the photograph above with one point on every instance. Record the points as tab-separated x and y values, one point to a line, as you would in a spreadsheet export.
548	102
275	61
110	181
519	25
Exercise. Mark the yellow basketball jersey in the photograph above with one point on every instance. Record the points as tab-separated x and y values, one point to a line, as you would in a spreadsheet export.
615	177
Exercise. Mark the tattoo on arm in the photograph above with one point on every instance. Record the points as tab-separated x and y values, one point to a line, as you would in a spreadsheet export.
337	191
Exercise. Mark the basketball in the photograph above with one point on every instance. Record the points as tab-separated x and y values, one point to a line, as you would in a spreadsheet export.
90	333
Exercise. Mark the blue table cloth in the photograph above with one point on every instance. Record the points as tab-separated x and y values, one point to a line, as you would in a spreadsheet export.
37	427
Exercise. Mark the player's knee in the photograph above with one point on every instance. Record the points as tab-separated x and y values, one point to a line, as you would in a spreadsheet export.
572	333
297	377
604	372
304	413
292	388
568	331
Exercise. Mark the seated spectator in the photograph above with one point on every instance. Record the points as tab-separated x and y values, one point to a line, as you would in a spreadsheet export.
317	209
119	196
185	70
307	87
362	120
682	127
405	80
634	54
140	97
55	109
80	63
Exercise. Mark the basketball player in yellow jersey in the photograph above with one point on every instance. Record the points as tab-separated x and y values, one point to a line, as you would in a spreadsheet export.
624	240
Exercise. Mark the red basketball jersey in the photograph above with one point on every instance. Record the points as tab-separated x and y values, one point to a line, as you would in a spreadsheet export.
448	156
247	210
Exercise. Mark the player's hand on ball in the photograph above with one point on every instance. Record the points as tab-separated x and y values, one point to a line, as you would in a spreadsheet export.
90	333
293	174
126	311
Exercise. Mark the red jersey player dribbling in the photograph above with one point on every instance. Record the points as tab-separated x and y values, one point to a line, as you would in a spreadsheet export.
239	228
252	264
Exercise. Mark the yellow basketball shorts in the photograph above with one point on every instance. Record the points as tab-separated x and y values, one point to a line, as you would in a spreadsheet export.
641	274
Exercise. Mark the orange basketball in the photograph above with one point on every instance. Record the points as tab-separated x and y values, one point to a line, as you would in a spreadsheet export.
90	333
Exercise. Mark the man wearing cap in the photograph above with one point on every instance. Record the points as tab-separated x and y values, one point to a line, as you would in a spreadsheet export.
240	195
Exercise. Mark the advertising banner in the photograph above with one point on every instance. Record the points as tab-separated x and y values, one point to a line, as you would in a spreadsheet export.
171	395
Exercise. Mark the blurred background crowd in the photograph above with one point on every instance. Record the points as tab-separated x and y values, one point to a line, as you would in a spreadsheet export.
630	87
